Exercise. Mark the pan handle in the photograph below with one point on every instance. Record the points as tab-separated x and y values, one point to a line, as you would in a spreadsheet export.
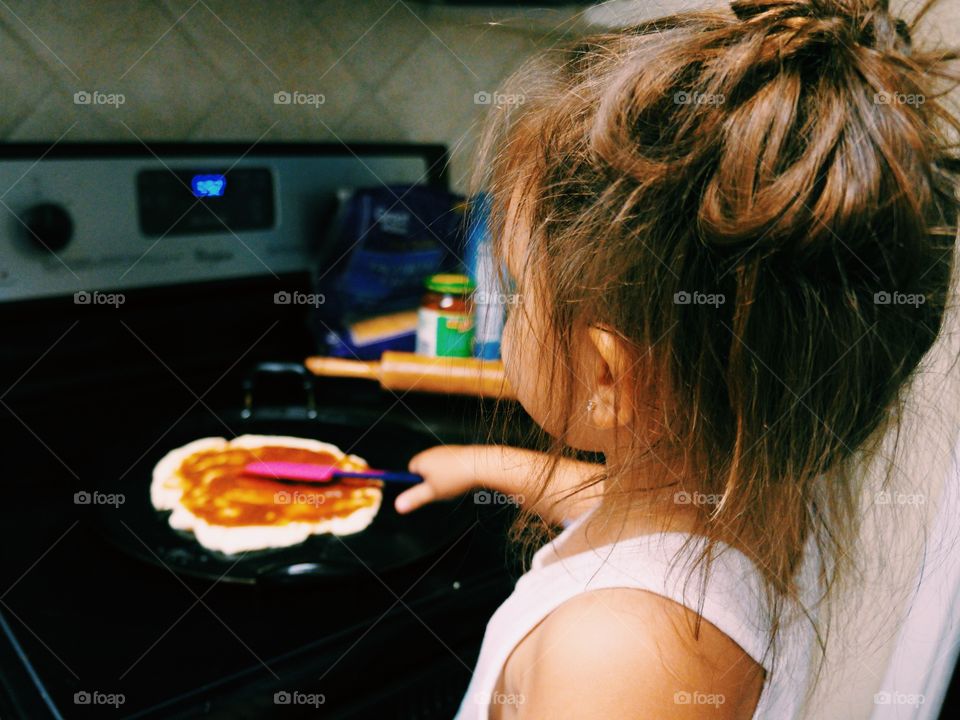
278	368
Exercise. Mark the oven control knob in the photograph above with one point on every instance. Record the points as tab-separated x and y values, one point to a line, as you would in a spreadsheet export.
48	226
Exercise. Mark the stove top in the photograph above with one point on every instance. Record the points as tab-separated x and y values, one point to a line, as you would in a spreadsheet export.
90	618
88	628
86	621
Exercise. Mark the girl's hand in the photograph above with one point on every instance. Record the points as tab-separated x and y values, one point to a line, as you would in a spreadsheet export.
452	470
448	471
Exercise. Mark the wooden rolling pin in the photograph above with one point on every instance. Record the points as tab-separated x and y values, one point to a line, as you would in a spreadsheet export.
407	371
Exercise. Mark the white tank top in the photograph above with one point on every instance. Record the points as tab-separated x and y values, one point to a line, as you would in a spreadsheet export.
732	602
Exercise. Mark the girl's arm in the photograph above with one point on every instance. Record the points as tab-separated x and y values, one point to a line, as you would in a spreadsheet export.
451	470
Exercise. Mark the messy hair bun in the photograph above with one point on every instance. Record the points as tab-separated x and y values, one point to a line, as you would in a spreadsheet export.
795	123
790	160
849	24
833	124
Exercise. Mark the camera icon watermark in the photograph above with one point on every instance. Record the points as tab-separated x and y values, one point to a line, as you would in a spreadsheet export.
283	697
500	698
83	497
95	97
686	97
898	298
886	497
484	297
299	298
483	97
485	497
685	697
898	98
95	697
696	498
296	497
898	698
96	297
295	97
684	297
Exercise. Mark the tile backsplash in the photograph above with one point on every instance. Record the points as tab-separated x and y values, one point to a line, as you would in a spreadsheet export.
387	70
372	70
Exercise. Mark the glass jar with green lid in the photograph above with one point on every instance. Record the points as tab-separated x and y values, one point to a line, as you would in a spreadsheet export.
445	318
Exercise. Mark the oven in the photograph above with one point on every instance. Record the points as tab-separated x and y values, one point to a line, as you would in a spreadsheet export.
136	317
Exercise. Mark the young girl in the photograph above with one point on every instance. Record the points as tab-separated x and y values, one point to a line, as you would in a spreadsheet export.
730	235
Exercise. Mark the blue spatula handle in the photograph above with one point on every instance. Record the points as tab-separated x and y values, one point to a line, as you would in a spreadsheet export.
385	475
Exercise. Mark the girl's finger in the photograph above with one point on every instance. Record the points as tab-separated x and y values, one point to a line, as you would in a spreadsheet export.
417	462
415	497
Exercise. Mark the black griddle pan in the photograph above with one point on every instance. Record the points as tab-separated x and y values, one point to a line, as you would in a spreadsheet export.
390	542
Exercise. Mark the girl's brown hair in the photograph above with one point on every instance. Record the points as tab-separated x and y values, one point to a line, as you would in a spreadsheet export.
763	204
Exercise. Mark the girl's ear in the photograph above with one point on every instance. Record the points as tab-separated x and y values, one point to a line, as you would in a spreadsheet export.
611	385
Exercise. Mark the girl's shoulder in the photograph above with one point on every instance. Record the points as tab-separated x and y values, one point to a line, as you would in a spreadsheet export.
624	652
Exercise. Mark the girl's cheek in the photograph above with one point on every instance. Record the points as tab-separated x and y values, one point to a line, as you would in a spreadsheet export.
510	359
516	361
522	357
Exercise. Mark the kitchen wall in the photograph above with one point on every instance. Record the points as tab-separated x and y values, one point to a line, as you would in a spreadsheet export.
209	69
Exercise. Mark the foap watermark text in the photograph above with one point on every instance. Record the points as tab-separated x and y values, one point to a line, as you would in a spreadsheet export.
483	97
296	697
298	298
95	697
898	298
486	497
84	497
95	97
83	297
295	97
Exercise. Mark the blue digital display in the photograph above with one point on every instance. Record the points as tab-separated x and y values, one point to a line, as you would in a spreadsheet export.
208	185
